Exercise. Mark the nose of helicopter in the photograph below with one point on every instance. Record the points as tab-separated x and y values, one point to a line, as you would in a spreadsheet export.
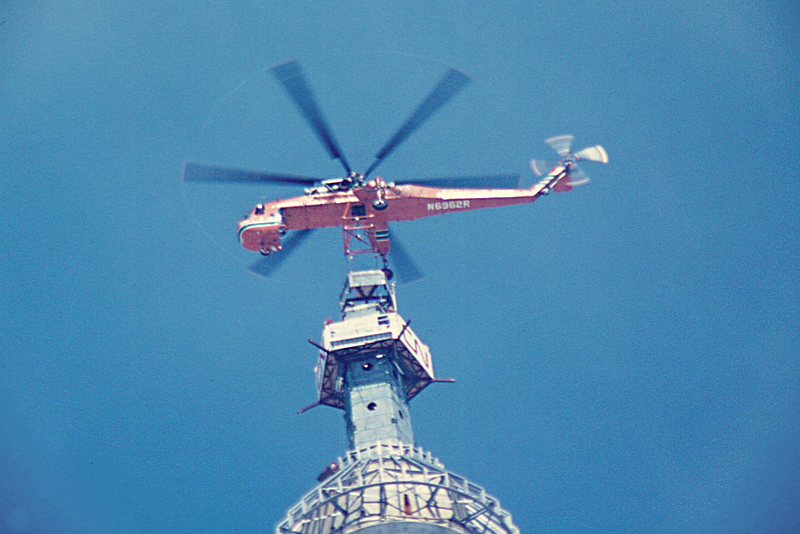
260	230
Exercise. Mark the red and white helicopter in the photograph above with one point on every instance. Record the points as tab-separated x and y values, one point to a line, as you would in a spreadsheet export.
364	205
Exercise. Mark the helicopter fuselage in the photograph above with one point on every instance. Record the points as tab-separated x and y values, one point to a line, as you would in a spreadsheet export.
371	208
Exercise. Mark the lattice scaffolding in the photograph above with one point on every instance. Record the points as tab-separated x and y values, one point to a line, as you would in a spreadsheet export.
395	482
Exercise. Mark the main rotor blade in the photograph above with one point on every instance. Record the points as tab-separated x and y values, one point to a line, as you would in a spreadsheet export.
291	77
406	269
265	266
493	181
199	172
446	89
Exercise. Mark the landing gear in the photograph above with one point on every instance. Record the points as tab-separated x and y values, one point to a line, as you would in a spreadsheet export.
266	251
380	204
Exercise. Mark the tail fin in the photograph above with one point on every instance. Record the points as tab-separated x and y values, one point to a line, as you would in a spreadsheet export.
564	184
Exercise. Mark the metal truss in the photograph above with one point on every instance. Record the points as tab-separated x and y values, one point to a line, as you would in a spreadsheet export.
357	238
395	482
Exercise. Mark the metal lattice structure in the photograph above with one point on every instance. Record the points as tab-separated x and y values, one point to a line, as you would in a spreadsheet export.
395	482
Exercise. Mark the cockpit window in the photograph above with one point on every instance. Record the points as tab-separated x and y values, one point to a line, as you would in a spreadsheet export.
358	210
259	209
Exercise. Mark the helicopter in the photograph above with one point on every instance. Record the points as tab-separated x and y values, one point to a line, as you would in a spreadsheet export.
362	205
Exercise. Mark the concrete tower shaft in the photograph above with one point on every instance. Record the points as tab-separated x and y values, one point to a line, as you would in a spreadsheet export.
375	402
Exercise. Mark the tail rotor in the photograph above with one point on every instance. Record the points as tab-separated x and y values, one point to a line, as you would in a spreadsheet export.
567	165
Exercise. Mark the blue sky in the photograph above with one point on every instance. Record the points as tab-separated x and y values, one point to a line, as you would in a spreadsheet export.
626	355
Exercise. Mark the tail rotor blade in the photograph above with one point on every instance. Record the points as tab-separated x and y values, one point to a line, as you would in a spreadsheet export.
561	144
446	89
592	153
290	75
265	266
578	176
406	269
540	167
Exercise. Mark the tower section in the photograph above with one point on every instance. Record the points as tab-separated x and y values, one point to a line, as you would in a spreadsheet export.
371	364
